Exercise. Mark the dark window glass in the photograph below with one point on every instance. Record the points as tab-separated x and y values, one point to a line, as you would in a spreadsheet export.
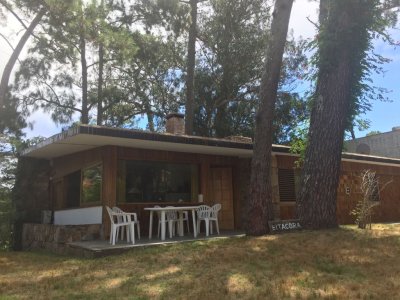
72	189
91	184
156	182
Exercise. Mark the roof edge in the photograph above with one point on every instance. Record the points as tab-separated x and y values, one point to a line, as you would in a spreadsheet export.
72	131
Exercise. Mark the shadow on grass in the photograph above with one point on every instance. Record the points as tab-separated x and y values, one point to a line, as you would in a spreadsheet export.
331	264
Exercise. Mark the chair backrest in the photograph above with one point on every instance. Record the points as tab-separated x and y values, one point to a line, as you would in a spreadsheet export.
111	215
214	210
171	214
203	211
117	210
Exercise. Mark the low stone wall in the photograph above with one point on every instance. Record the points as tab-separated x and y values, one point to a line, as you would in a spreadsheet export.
56	237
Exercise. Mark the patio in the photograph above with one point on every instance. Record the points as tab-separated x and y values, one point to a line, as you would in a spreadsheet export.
100	248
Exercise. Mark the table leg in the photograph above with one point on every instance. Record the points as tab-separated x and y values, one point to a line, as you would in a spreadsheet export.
132	232
180	223
194	223
151	225
163	225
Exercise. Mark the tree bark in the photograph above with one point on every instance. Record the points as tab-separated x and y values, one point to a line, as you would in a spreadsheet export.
100	86
191	62
260	200
316	205
82	48
14	56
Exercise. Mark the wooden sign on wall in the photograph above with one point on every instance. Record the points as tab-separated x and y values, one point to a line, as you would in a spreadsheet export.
284	226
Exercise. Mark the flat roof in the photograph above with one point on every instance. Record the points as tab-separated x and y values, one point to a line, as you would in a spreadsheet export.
85	137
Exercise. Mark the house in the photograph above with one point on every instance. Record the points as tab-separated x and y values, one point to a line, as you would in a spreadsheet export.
381	144
74	174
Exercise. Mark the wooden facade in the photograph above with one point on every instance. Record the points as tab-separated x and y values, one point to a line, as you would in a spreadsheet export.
218	180
222	179
349	193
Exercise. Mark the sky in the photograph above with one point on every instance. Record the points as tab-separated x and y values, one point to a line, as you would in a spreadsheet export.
383	117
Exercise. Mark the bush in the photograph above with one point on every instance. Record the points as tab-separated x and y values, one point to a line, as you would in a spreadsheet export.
6	219
371	197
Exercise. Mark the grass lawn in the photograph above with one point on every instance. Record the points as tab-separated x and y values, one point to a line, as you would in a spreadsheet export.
334	264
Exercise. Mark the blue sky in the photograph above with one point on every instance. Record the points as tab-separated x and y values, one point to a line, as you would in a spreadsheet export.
383	116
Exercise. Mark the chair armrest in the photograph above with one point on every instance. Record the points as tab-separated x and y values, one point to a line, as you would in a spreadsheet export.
130	215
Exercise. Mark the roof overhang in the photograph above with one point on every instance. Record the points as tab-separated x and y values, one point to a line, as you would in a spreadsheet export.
81	138
85	137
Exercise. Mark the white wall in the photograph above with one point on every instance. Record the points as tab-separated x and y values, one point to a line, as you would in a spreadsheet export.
79	216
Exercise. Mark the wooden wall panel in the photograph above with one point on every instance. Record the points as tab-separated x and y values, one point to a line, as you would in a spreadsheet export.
109	193
287	212
70	163
241	183
286	161
222	192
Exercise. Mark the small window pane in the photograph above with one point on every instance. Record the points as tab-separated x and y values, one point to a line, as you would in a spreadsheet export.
91	184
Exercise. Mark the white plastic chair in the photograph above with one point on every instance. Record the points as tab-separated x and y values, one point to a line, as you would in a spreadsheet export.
186	219
213	217
130	217
203	213
116	223
172	220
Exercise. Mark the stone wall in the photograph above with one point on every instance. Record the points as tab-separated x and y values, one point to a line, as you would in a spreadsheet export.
30	194
55	238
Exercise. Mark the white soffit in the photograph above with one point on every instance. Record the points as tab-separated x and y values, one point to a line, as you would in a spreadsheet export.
81	142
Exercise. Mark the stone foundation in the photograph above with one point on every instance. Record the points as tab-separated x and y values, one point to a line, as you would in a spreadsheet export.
55	238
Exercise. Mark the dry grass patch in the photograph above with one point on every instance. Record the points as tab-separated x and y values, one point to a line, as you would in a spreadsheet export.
333	264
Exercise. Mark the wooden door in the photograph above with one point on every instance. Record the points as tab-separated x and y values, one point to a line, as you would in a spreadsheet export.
221	192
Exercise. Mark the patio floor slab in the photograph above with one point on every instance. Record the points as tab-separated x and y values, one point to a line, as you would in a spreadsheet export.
100	248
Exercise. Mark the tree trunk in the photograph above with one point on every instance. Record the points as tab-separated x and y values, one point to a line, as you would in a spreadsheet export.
191	62
316	205
14	56
100	86
260	200
82	48
221	124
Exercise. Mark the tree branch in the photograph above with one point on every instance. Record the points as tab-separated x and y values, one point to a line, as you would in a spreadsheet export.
312	22
9	8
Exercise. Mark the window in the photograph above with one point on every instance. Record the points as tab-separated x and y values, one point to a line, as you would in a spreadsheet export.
287	185
72	183
91	184
156	182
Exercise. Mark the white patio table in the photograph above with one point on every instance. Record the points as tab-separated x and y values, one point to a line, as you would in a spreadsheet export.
179	209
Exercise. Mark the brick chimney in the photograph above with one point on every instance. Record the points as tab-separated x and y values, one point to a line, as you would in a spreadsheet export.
175	124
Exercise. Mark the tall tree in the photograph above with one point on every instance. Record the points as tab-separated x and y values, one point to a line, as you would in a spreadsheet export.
343	42
191	62
64	74
17	50
232	37
260	203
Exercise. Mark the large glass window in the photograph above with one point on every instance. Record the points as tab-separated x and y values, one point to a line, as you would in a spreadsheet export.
140	181
80	188
91	184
